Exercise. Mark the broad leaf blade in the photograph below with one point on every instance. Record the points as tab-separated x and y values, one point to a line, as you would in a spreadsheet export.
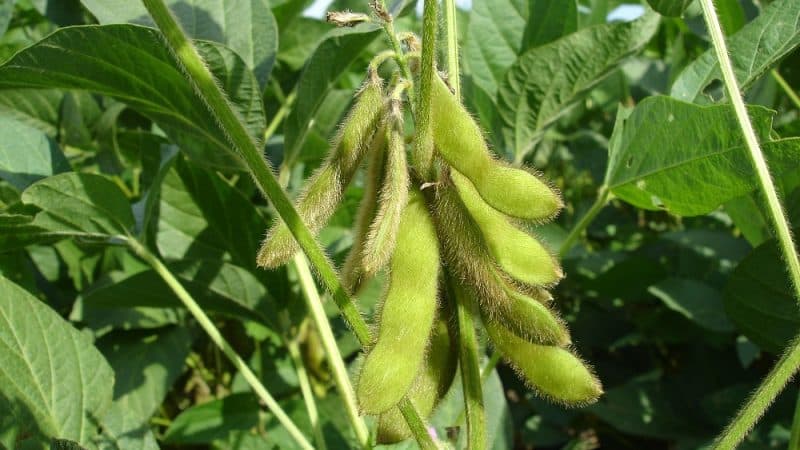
49	372
694	300
131	63
688	159
246	26
81	203
27	154
546	81
206	422
756	48
672	8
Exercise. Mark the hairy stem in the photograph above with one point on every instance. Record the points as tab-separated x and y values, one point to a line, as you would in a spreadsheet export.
399	56
340	376
305	390
208	326
451	30
786	88
212	95
423	148
760	400
599	203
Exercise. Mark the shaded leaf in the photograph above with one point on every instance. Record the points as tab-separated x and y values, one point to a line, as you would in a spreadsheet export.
756	48
760	301
37	108
695	300
550	20
27	154
131	63
688	159
672	8
57	382
546	81
212	420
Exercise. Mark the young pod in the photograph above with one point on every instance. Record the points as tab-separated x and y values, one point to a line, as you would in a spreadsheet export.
353	268
554	372
519	254
459	141
325	189
380	241
432	383
406	313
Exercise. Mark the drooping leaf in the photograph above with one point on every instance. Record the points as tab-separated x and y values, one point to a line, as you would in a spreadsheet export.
246	26
195	214
131	63
688	159
760	301
695	300
546	81
27	154
212	420
756	48
672	8
82	204
329	61
53	381
146	365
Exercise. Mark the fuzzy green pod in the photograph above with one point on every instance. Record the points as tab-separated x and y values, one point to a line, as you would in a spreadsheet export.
519	254
459	141
432	383
407	312
527	318
380	241
352	270
554	372
325	189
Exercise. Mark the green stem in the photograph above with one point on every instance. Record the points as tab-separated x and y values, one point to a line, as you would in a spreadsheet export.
794	438
451	30
399	56
760	400
468	359
320	319
212	95
280	115
423	149
786	88
599	203
216	337
490	365
308	395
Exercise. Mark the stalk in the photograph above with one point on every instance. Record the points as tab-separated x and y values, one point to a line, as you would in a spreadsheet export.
340	376
599	203
216	337
305	390
786	367
786	88
211	94
423	148
451	30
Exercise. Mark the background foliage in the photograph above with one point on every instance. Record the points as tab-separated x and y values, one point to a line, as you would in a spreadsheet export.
677	294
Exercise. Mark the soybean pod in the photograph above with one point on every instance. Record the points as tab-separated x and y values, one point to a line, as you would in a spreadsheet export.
459	141
325	189
406	313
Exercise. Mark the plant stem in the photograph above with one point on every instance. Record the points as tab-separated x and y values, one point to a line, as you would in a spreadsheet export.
470	370
756	156
423	149
280	115
786	88
794	438
340	376
760	400
490	365
599	203
305	389
399	56
209	91
451	30
216	337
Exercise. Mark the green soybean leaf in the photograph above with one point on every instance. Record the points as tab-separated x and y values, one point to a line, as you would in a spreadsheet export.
695	300
217	286
53	381
688	159
195	214
757	47
27	154
98	59
246	26
546	81
549	20
212	420
18	231
37	108
672	8
64	444
330	60
146	364
760	301
6	12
